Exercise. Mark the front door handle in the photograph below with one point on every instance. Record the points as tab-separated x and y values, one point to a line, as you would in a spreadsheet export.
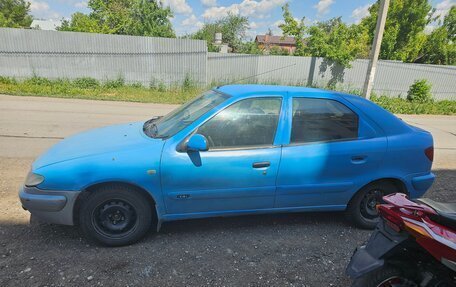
359	159
261	164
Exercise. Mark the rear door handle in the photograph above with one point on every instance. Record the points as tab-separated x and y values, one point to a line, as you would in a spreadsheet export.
359	159
261	164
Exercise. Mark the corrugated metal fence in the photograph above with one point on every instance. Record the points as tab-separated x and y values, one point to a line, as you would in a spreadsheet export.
392	78
50	54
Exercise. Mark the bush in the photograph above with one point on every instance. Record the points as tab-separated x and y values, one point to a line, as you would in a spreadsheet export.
188	83
7	80
157	85
403	106
113	84
136	85
39	81
161	87
86	83
420	92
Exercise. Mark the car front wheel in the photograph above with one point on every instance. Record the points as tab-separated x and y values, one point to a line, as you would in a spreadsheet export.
362	208
115	216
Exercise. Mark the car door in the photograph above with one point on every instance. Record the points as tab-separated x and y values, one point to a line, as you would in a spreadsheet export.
331	152
239	170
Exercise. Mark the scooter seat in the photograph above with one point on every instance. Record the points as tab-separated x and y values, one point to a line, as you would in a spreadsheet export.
446	211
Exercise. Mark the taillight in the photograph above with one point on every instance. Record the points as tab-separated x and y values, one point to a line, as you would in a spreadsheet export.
429	152
393	225
416	230
392	219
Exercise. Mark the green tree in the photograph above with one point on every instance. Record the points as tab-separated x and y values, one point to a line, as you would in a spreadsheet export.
440	46
332	39
437	50
150	19
123	17
15	14
450	24
294	28
405	23
278	51
250	47
336	41
233	29
207	33
80	22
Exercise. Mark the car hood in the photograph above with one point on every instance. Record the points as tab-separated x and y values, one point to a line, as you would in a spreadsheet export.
98	141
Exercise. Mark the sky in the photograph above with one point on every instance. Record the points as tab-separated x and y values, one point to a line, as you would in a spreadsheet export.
190	15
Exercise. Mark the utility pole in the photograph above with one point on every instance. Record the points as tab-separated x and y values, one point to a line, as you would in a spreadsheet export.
375	51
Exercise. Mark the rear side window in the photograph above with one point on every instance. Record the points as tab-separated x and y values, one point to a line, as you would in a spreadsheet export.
316	120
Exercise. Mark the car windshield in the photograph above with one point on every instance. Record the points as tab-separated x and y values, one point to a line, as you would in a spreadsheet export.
183	116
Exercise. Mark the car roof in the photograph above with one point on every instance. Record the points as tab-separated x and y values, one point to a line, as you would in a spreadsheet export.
248	90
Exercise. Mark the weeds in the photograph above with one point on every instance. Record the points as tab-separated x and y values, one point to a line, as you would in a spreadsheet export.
188	83
86	83
7	80
136	85
403	106
39	81
89	88
114	84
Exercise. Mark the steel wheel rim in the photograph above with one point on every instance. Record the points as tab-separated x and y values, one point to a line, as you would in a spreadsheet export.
368	204
115	218
396	281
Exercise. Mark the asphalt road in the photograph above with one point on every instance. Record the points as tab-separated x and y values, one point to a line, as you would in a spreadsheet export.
308	249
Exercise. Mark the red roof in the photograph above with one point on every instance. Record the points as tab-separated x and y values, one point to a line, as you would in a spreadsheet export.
267	39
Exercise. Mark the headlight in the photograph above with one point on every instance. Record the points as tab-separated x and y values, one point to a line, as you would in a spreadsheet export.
33	179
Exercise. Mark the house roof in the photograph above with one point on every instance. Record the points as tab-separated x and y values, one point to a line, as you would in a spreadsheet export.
267	39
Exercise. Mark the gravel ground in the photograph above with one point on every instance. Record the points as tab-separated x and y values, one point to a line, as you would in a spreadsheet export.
307	249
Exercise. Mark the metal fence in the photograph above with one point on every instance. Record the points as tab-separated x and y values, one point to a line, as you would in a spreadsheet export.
392	78
50	54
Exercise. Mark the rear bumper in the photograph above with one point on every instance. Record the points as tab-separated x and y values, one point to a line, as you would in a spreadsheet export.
418	183
422	183
49	206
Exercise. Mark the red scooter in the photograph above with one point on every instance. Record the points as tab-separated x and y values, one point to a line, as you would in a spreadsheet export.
414	244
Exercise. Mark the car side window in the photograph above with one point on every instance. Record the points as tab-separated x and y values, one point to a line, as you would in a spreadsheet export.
317	120
247	123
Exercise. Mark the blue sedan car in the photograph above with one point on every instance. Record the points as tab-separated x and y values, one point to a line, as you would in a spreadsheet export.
237	149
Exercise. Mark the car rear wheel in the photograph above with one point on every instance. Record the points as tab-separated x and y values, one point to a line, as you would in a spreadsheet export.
115	216
362	208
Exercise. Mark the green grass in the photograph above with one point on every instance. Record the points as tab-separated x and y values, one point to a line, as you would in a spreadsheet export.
118	90
90	89
403	106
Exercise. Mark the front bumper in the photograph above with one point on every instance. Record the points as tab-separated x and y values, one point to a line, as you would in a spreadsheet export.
52	206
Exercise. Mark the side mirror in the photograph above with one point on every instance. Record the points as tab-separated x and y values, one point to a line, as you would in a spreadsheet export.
197	142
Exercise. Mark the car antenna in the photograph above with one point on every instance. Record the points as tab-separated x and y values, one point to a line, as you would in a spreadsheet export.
256	75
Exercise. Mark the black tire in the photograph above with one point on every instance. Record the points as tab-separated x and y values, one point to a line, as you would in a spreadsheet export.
115	215
386	276
361	209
